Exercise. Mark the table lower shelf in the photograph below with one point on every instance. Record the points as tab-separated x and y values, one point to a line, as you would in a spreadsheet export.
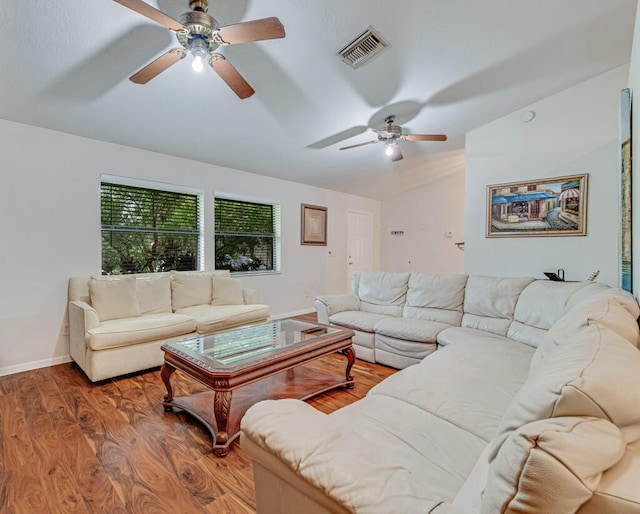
300	382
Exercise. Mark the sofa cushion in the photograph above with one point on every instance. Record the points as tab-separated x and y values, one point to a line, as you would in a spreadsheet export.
435	297
410	466
141	329
154	292
358	320
539	306
490	302
114	297
418	330
582	377
212	318
227	291
383	292
553	465
454	335
400	353
605	309
464	383
618	489
190	288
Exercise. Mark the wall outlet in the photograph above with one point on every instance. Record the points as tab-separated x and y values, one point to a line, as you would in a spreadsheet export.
65	329
449	234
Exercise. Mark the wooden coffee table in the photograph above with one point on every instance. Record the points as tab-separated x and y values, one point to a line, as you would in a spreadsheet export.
248	364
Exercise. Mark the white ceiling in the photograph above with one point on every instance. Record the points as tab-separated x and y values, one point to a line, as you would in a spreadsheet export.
453	65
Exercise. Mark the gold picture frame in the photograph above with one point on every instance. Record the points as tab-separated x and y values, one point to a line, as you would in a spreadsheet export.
545	207
313	225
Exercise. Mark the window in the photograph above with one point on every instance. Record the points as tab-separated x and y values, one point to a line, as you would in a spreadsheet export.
148	230
247	236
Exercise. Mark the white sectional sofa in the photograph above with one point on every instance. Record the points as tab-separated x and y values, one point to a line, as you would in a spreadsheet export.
531	404
399	318
118	323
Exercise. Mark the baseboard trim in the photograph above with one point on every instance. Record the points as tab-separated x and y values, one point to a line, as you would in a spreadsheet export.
28	366
44	363
290	314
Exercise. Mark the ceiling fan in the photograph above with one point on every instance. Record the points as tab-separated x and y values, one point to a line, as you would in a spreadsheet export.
392	134
199	34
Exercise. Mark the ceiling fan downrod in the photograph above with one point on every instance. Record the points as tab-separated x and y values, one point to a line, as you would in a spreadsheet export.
199	5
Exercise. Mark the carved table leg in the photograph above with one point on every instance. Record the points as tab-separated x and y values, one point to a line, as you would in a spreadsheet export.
351	358
221	406
165	374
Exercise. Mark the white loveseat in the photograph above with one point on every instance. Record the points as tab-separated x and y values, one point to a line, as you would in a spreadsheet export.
539	413
118	323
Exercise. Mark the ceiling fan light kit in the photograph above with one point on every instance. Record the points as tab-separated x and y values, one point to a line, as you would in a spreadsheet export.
199	34
392	134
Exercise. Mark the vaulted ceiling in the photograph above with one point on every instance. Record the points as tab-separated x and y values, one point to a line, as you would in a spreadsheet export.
451	66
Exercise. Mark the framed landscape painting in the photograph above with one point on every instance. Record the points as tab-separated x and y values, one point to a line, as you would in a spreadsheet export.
313	225
545	207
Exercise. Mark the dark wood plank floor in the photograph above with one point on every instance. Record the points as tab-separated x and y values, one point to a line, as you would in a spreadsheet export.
67	445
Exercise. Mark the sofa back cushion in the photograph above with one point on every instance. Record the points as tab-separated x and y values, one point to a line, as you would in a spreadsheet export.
551	465
539	306
383	292
190	288
227	291
489	302
154	292
593	373
615	309
435	297
114	297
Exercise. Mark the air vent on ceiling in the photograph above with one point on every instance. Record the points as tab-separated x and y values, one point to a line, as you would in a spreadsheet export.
363	48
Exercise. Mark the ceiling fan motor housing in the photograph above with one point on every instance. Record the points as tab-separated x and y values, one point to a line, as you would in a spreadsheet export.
198	24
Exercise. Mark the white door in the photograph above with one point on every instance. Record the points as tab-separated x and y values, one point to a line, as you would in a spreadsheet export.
359	244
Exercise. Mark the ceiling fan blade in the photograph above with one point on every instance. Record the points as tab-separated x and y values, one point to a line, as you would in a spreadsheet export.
152	13
339	137
396	154
360	144
258	30
231	76
156	67
425	137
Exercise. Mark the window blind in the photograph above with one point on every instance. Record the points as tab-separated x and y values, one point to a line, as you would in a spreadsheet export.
148	230
246	235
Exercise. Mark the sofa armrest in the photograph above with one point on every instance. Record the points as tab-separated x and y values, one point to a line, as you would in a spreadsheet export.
82	318
328	305
290	437
280	436
250	296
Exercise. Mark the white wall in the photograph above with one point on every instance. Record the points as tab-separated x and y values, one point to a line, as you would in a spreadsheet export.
426	215
574	131
634	85
50	230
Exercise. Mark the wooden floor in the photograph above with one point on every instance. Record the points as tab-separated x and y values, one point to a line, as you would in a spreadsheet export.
67	445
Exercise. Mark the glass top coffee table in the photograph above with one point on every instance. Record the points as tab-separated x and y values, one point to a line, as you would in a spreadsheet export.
249	364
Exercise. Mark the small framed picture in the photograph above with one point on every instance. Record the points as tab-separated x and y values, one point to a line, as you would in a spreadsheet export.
313	225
